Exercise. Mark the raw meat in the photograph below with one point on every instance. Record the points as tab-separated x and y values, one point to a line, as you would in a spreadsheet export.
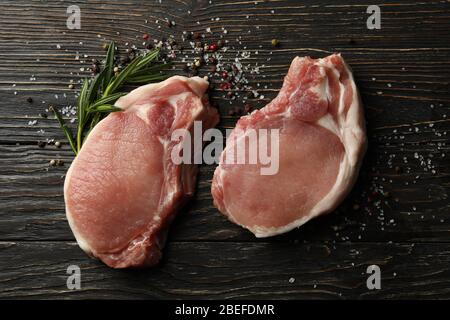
321	144
123	190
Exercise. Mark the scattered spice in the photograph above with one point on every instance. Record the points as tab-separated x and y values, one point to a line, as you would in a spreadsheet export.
95	68
275	43
41	144
30	100
248	108
213	47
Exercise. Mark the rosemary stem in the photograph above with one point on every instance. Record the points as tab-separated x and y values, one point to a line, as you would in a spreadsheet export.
79	137
65	129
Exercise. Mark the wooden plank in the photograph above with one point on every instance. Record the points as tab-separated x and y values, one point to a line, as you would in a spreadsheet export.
416	99
208	270
416	209
403	73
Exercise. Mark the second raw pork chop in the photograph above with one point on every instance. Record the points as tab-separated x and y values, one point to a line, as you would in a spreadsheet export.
322	140
123	190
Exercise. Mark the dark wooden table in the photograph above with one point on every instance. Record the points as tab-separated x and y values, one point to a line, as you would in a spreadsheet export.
397	217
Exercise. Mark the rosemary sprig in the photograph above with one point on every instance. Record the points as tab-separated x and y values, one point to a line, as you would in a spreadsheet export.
98	95
64	127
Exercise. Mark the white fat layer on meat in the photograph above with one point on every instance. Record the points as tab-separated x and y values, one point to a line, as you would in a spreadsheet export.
81	242
350	130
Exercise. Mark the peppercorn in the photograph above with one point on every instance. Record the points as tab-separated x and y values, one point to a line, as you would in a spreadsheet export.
250	95
95	69
43	115
149	46
197	35
41	144
105	46
275	43
230	94
145	36
30	100
225	86
198	44
212	60
59	163
189	36
219	44
70	86
198	63
58	144
213	47
52	162
124	59
248	108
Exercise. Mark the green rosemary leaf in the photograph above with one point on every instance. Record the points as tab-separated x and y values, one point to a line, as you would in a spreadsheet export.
105	108
146	78
82	101
121	78
107	100
82	112
65	129
109	65
95	86
149	57
155	69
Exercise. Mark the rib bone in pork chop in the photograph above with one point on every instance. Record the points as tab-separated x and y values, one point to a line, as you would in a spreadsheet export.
321	144
122	190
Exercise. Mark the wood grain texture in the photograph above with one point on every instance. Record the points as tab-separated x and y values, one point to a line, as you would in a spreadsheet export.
402	71
216	270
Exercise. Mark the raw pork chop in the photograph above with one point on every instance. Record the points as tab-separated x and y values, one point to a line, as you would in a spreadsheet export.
321	143
122	189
